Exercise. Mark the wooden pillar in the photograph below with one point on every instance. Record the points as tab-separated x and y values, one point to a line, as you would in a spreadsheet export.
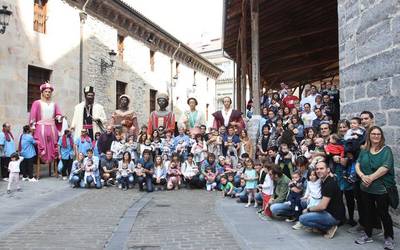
243	56
238	75
250	77
255	56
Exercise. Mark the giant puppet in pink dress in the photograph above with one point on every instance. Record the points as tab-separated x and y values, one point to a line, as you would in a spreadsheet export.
45	117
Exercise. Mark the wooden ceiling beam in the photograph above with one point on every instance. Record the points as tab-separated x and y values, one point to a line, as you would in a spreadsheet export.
306	66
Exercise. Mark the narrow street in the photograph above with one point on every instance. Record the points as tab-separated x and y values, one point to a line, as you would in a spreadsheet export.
55	216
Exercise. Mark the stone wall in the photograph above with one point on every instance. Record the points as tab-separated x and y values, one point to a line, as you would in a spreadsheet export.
58	51
369	52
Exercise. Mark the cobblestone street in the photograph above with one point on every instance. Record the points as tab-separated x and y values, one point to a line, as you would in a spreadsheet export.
51	215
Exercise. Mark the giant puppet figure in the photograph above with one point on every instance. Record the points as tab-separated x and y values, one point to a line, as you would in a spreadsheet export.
228	117
193	118
125	119
88	115
46	119
161	117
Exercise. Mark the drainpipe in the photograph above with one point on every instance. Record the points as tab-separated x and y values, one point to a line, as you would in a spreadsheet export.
82	17
172	77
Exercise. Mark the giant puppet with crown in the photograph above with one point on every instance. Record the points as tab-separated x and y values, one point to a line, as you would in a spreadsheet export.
46	120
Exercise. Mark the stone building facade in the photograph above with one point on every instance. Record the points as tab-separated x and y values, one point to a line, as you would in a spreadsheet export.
369	51
211	49
369	54
142	68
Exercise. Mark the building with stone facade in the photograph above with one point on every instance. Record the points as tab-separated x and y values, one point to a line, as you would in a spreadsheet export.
67	41
211	49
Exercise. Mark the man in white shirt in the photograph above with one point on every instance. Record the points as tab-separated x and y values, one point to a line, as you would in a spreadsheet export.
308	116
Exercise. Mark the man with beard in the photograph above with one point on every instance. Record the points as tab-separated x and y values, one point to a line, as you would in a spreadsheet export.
88	115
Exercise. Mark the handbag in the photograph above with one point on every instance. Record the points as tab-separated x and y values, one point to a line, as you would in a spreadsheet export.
393	195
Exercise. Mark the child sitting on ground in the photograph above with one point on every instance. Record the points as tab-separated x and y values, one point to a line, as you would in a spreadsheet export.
295	194
89	171
139	170
226	186
124	171
14	169
240	190
210	179
174	176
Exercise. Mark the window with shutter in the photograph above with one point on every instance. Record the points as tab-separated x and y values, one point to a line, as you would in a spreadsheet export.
36	76
40	16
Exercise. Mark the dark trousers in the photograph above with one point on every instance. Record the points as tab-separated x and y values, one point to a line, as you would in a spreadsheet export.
148	180
362	209
27	167
194	182
380	204
163	181
350	203
67	165
124	181
4	166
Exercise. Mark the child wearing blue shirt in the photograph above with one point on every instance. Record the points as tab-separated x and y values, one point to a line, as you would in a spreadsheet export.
27	150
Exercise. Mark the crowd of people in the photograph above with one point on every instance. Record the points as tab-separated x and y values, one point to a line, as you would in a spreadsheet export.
303	165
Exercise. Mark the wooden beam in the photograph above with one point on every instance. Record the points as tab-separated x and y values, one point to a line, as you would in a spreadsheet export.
299	34
255	56
243	56
302	53
291	69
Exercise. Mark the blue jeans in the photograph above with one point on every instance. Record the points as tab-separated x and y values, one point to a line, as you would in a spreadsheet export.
149	183
75	179
320	220
282	209
89	181
131	179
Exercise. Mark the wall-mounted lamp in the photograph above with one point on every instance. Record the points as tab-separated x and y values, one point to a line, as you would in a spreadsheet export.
104	65
4	18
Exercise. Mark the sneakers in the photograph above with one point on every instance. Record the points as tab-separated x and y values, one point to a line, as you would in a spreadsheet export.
311	230
331	232
248	205
297	226
356	230
64	178
5	179
363	239
8	191
389	244
25	179
32	180
290	219
255	205
264	217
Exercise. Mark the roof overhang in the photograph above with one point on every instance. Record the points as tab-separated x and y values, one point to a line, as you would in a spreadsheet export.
298	39
130	22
